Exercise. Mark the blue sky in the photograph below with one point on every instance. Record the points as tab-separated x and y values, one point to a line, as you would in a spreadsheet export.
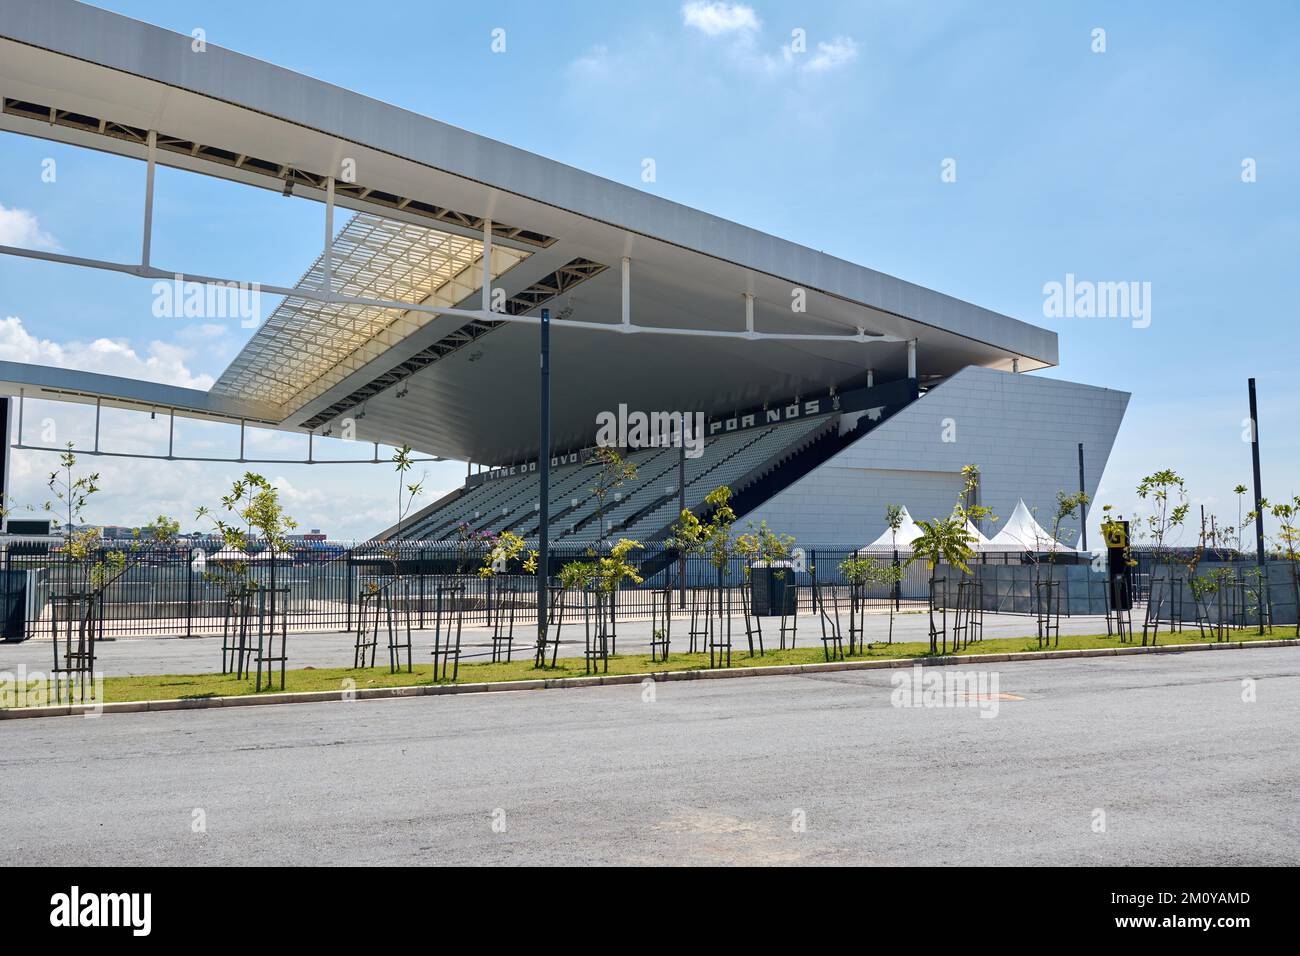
1117	166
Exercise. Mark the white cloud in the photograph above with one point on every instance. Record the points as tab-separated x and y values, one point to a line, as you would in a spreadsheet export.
163	361
595	62
826	57
741	26
717	18
838	52
18	227
346	501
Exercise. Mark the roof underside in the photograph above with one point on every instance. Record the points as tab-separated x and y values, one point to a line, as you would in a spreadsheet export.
451	385
307	346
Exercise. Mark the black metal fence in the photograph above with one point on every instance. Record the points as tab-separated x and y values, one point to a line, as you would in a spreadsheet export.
181	591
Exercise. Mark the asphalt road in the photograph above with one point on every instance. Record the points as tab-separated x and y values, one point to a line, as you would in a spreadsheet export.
718	771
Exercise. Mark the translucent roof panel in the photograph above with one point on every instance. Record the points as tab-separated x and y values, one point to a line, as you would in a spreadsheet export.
306	347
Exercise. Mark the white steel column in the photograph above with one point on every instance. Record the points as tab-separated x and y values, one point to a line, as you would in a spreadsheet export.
487	265
146	246
871	378
1015	364
749	312
911	359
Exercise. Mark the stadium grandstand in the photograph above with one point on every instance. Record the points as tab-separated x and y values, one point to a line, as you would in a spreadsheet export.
827	389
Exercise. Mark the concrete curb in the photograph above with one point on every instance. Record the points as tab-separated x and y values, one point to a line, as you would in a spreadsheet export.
566	683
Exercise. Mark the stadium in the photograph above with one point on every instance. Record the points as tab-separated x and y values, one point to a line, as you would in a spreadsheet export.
680	468
817	416
817	390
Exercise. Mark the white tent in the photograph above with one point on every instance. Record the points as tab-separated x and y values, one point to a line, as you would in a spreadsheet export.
909	532
980	543
266	554
1023	533
906	534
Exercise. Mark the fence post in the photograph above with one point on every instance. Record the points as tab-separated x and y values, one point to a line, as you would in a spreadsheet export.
812	565
347	585
189	599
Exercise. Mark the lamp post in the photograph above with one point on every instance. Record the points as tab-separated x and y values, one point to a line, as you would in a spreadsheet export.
1083	505
1254	454
544	479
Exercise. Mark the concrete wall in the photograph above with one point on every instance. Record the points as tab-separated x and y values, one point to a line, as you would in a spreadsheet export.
1022	430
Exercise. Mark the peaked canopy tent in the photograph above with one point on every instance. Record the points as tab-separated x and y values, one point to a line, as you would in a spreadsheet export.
1023	533
902	538
229	554
909	531
981	542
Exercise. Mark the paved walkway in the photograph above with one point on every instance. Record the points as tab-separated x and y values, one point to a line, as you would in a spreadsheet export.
197	655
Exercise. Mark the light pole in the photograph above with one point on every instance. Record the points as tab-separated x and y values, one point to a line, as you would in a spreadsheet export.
1083	504
544	478
1254	453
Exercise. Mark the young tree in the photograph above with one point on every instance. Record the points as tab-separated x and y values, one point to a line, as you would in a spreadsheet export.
407	492
613	471
1287	540
85	547
711	539
604	574
861	572
611	570
763	545
255	516
946	540
942	540
506	547
1166	493
468	542
1067	506
890	577
1240	492
71	494
894	521
967	508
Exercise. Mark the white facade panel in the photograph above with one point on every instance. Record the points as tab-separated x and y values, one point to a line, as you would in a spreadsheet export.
1023	432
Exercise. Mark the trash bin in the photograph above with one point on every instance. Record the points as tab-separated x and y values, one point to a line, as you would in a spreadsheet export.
13	604
773	588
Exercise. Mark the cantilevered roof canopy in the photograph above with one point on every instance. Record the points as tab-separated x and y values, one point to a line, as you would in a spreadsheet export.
307	346
411	355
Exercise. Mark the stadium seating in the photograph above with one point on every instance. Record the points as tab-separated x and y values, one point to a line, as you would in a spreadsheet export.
643	507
